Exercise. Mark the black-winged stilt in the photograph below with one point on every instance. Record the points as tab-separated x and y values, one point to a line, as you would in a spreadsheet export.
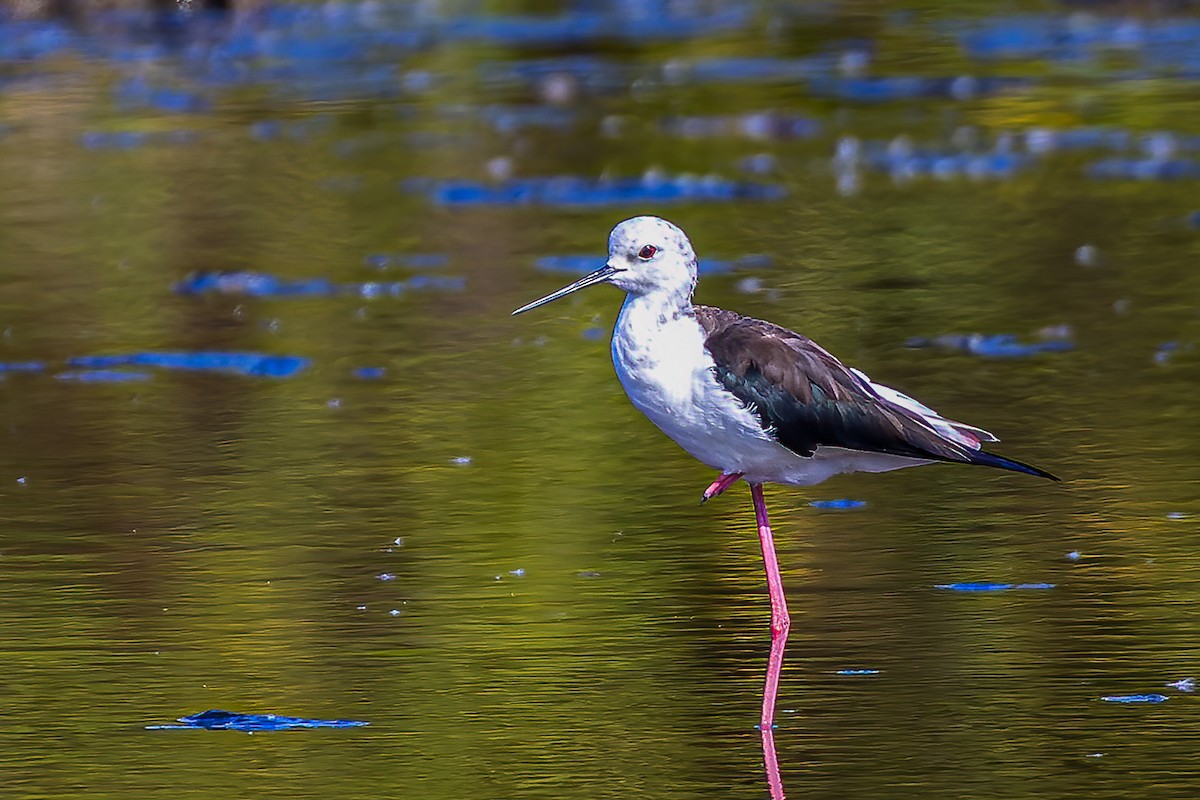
754	400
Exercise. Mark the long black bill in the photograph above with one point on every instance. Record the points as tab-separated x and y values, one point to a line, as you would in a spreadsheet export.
599	276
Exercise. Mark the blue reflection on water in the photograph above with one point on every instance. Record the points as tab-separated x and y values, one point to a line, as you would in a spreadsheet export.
217	720
1135	698
839	504
256	364
984	586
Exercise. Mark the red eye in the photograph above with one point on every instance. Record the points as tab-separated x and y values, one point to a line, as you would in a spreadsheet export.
647	252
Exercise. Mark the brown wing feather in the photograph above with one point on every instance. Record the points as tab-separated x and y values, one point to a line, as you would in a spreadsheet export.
806	397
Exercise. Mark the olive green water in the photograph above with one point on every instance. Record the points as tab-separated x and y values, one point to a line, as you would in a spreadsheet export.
564	621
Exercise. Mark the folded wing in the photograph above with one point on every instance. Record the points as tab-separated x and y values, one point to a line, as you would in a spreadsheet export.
806	398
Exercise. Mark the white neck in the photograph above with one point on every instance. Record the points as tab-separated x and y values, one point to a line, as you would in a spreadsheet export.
654	309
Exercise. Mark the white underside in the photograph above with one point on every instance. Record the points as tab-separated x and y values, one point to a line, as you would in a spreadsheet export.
670	377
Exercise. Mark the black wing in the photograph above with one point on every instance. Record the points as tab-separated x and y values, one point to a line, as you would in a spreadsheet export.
807	398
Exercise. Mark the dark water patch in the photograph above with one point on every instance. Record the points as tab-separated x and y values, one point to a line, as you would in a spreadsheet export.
356	49
254	284
417	283
1144	169
747	69
297	130
760	125
103	376
1028	36
336	51
907	164
1168	43
1166	352
131	140
583	264
568	191
507	119
33	40
286	43
527	31
137	93
1049	140
759	164
22	366
1002	345
559	80
258	284
889	89
217	720
250	364
407	260
1006	154
633	22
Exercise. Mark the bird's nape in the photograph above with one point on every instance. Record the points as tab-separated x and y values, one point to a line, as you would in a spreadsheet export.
601	275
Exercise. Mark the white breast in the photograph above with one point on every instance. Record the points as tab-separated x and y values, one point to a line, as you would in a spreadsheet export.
661	361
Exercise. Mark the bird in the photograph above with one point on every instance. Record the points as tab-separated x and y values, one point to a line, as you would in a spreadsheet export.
756	401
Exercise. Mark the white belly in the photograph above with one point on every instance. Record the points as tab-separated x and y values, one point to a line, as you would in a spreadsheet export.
670	377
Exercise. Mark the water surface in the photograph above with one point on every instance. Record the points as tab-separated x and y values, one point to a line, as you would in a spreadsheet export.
451	524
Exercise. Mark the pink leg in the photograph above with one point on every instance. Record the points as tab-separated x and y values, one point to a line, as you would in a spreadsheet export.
780	622
718	486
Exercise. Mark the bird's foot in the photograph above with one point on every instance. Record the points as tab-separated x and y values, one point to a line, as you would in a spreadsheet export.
720	485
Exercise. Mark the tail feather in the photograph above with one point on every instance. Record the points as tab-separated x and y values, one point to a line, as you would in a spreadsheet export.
992	460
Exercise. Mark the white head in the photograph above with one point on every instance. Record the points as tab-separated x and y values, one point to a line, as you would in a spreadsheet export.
651	255
646	255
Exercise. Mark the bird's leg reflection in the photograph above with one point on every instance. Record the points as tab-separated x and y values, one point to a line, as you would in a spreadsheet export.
770	688
780	625
771	762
